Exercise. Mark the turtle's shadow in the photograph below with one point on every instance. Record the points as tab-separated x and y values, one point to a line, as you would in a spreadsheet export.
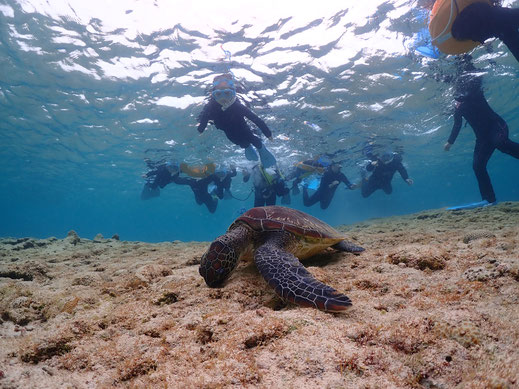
323	259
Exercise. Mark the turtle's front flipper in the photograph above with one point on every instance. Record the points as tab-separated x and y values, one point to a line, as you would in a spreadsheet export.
349	247
294	283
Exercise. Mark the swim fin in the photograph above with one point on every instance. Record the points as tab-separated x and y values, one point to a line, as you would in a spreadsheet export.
480	204
250	154
149	192
267	159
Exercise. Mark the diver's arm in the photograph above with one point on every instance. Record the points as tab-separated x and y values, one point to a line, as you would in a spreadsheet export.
344	179
257	121
458	119
203	119
403	171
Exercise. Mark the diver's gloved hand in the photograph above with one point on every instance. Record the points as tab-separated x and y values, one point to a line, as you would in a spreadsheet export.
334	183
409	181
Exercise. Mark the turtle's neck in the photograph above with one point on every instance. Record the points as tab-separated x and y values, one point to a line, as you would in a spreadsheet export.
240	237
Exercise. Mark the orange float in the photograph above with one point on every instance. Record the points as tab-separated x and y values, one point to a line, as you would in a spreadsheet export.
443	14
198	171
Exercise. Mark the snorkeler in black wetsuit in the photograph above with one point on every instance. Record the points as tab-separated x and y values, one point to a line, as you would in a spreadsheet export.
480	21
490	129
200	189
223	182
157	178
383	169
228	115
330	180
267	186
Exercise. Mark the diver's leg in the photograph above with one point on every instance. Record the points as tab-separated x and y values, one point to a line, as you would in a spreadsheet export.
504	144
198	198
308	201
326	199
482	153
258	199
271	200
388	188
210	202
509	147
368	187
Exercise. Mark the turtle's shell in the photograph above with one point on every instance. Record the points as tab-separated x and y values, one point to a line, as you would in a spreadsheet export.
300	224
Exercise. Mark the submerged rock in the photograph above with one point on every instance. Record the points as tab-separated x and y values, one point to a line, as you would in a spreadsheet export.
72	237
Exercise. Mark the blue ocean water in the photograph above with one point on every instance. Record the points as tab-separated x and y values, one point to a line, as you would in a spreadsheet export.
89	90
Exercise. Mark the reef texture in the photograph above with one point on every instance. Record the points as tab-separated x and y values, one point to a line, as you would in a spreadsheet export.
435	305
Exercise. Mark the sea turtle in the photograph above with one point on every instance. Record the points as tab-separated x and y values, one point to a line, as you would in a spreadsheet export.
276	236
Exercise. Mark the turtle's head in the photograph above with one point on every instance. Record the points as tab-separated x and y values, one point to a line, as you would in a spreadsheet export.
218	262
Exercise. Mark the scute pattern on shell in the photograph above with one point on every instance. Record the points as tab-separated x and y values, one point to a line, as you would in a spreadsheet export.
274	218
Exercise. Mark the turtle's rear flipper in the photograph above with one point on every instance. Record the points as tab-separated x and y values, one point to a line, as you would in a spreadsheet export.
349	247
294	283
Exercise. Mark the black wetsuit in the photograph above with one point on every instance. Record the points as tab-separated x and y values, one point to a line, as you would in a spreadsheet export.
491	133
232	122
200	189
382	176
159	177
162	177
480	21
324	194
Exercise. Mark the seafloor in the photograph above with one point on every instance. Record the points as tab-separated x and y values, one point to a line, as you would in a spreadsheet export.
435	305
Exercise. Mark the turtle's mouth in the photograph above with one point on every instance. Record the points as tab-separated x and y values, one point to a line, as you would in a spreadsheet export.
211	269
212	278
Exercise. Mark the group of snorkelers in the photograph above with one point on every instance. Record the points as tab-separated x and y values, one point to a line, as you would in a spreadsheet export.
210	184
477	21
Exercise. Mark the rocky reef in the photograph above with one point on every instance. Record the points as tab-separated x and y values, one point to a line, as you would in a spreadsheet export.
435	299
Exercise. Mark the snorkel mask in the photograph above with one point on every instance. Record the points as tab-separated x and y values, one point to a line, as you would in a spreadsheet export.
224	91
173	167
324	161
221	173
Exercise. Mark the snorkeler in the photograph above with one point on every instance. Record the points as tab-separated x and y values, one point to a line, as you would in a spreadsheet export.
382	171
490	129
158	177
228	115
330	180
268	185
480	21
223	179
200	188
